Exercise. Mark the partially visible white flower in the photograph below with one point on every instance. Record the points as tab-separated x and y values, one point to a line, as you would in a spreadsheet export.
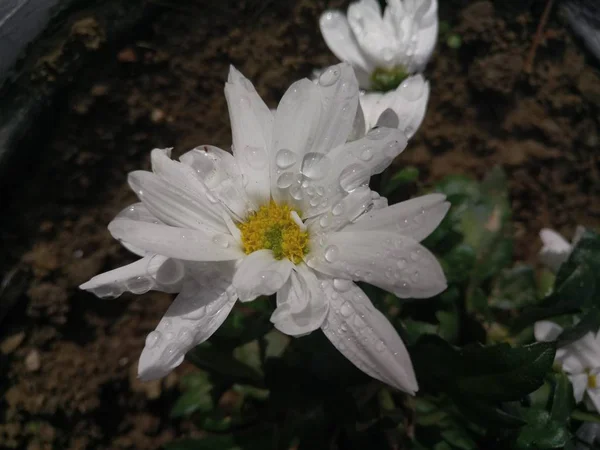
580	360
403	37
403	108
291	213
556	249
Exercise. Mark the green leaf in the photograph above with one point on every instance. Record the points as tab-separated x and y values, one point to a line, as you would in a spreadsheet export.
563	402
190	402
590	322
585	416
458	263
541	432
226	442
220	363
514	289
459	439
404	176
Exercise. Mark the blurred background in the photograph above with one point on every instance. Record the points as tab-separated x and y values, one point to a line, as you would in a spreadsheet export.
88	88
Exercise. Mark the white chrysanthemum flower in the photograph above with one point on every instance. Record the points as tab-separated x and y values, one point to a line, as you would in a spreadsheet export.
580	360
290	212
401	40
556	249
403	108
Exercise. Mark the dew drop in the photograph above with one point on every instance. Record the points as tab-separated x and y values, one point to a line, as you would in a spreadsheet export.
315	166
378	133
415	255
366	154
380	346
325	220
153	339
139	285
401	263
320	190
285	180
343	327
285	158
337	209
353	176
221	241
296	192
346	310
415	277
256	157
359	322
332	253
342	285
329	77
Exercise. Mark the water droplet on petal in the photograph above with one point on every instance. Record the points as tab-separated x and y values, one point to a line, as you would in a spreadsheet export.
285	180
285	158
401	263
296	192
153	339
332	253
325	220
358	321
341	285
256	157
415	255
315	166
346	310
139	285
380	346
353	176
337	209
329	77
366	154
221	240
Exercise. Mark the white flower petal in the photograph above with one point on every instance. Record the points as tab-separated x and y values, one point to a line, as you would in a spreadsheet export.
203	304
301	104
151	272
426	36
408	102
301	305
388	260
349	166
219	171
546	331
366	337
139	212
251	127
556	249
359	127
416	218
175	242
260	274
341	41
174	206
375	37
338	90
349	209
579	383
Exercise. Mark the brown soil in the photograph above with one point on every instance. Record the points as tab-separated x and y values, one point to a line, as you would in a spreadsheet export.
68	359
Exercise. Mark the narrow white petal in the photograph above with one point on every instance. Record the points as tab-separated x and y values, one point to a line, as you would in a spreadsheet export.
196	313
375	37
426	36
174	206
301	305
174	242
396	263
251	127
296	125
365	336
338	90
579	383
341	41
359	127
260	274
416	218
348	167
546	331
151	272
139	212
555	250
349	209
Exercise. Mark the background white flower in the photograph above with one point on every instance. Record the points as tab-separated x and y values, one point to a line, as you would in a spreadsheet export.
580	360
556	249
403	108
404	36
290	212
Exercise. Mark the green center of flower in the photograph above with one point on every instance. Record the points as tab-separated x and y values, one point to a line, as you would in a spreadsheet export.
388	79
273	227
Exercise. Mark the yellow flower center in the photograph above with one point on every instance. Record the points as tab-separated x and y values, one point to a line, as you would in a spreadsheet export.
592	382
272	227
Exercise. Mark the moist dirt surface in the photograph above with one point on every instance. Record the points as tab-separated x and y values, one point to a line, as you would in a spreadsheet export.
68	359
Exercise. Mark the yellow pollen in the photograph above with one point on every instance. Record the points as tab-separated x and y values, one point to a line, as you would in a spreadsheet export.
272	228
591	381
